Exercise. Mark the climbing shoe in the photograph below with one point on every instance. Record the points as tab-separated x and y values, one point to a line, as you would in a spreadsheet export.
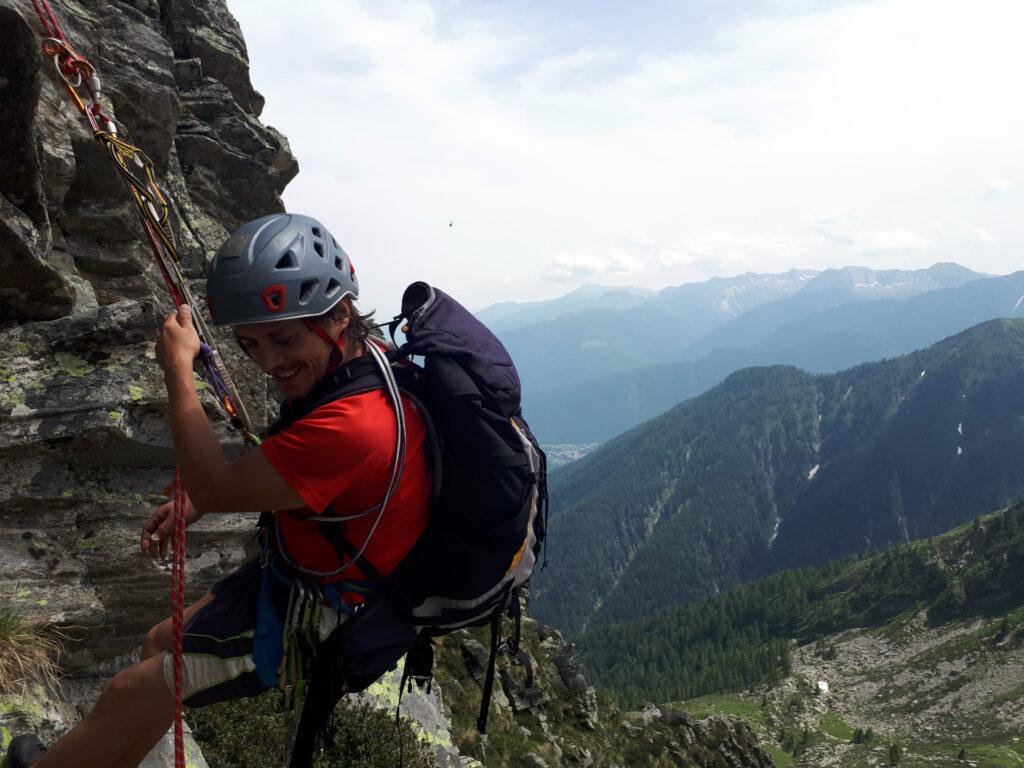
25	750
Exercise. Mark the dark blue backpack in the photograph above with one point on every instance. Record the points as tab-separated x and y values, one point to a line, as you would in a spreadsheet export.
488	516
487	522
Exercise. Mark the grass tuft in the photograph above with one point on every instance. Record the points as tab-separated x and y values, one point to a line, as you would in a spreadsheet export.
28	654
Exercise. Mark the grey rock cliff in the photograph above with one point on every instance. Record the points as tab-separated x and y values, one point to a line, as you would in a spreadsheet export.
84	442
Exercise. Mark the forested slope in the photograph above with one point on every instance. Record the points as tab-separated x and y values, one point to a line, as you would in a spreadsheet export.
776	468
744	637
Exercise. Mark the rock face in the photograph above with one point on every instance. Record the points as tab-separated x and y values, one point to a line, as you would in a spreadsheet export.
84	442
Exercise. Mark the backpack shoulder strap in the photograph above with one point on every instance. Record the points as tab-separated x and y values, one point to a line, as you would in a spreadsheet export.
353	378
379	359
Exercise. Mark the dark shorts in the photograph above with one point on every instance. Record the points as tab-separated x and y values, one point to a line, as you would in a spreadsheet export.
241	642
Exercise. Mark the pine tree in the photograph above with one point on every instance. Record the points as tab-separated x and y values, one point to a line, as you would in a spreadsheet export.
895	753
1004	629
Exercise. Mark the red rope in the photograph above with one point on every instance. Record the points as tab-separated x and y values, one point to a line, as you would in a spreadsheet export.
178	612
48	20
72	65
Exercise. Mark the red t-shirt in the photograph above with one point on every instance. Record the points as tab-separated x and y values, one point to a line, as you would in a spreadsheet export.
340	456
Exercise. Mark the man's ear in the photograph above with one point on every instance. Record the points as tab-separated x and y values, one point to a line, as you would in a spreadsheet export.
340	325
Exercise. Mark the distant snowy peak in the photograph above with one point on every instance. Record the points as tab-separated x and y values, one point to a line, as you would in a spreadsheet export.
872	284
736	296
701	306
724	298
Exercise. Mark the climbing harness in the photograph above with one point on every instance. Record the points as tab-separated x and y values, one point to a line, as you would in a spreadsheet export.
82	84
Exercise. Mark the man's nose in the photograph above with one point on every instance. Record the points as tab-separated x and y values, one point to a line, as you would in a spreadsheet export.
269	359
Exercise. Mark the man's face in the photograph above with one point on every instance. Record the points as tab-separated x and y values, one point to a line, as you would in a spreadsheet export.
294	356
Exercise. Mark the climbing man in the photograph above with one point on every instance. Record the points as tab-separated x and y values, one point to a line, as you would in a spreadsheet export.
287	290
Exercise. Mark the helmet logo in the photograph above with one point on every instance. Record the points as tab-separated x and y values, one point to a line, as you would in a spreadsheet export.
273	297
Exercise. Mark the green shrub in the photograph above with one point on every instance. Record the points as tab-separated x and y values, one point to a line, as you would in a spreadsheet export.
251	733
895	754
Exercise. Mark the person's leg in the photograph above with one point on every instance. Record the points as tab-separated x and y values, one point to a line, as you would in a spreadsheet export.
158	639
223	629
143	745
136	721
156	643
134	706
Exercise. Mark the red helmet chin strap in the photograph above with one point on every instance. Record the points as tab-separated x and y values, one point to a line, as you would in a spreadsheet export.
339	345
317	329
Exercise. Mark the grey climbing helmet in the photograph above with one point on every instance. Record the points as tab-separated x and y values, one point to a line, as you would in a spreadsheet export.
278	267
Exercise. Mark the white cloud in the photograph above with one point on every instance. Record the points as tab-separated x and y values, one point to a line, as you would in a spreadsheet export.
979	234
406	115
579	266
676	257
870	241
714	251
731	252
997	186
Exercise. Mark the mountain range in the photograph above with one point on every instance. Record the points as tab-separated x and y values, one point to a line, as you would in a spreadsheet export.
826	340
510	314
777	468
583	336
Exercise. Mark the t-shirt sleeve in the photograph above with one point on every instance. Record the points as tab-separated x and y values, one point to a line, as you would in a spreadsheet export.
321	455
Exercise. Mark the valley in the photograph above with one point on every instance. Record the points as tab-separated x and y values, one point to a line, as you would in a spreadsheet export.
920	646
937	693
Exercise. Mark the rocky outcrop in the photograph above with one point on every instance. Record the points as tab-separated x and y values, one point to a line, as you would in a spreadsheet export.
84	444
584	697
84	448
545	714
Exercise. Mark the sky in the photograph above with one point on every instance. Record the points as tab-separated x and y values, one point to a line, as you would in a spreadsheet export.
513	151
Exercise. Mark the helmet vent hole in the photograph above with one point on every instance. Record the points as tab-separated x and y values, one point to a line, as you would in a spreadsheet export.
316	232
335	243
307	289
332	288
319	249
287	261
339	264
